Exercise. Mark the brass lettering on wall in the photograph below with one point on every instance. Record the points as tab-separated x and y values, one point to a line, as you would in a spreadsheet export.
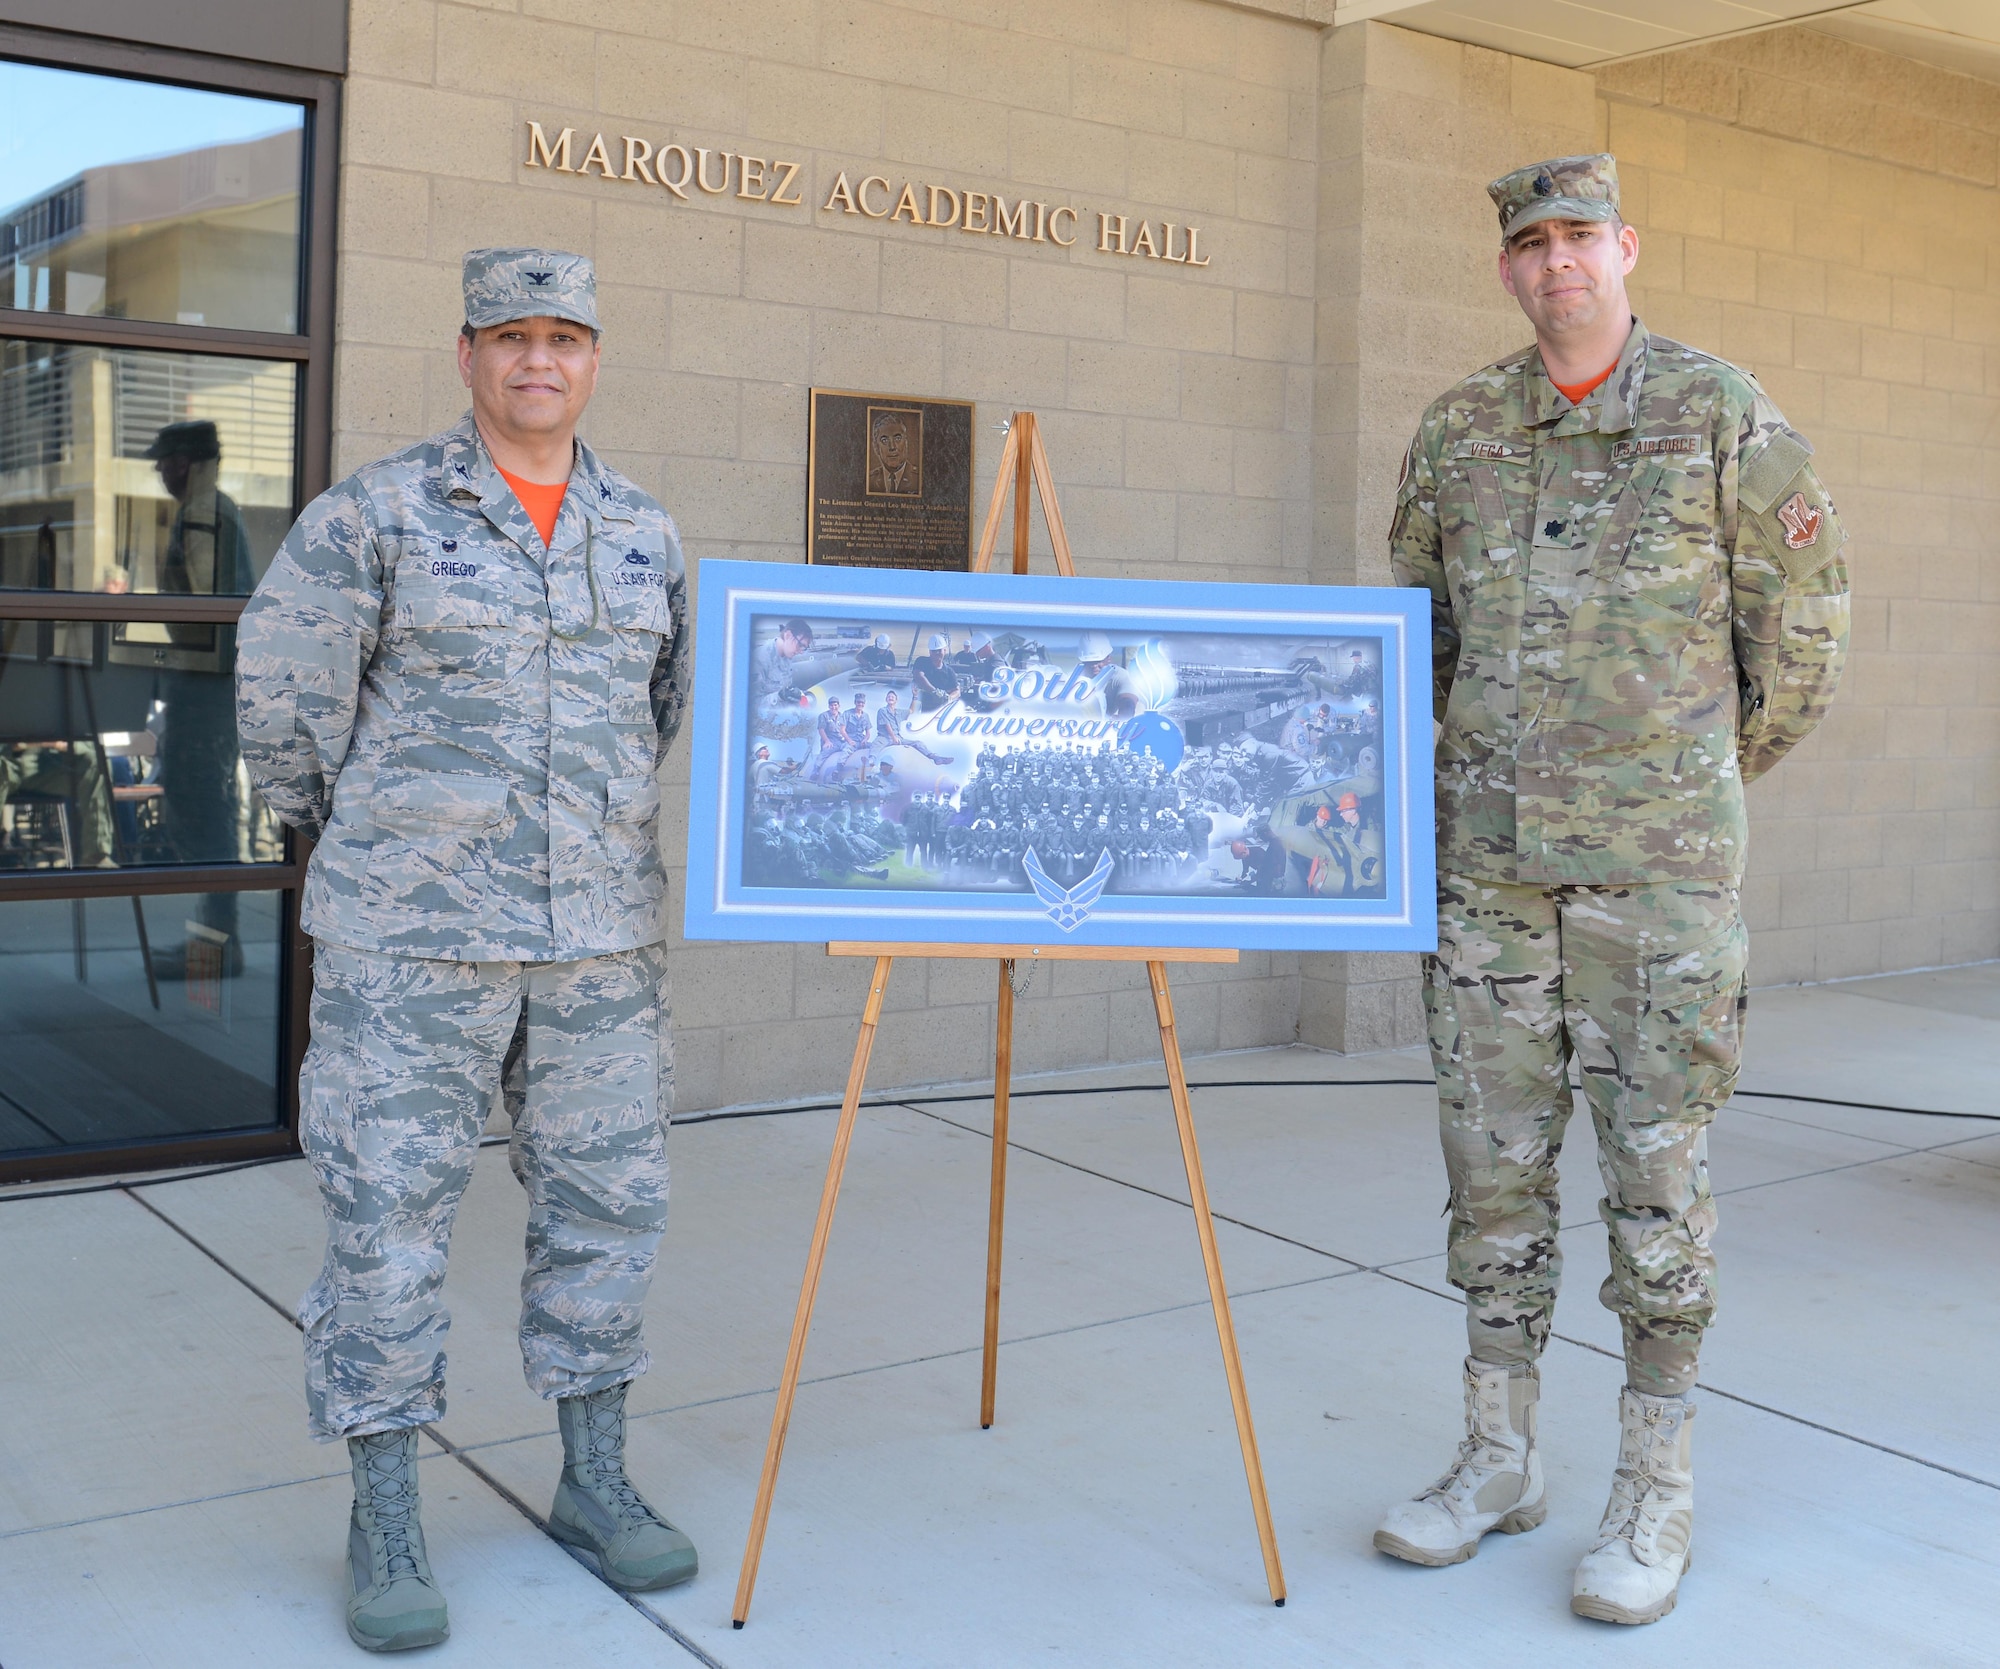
689	173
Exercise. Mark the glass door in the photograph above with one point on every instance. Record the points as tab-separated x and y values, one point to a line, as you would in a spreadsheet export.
164	247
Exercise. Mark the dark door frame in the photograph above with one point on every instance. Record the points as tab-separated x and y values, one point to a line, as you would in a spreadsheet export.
311	349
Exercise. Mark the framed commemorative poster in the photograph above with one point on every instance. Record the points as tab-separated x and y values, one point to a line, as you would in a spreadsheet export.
1005	759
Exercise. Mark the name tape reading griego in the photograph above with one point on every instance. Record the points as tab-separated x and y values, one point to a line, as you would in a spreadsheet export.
691	172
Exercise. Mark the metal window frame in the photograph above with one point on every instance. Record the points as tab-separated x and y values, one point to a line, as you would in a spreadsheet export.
311	349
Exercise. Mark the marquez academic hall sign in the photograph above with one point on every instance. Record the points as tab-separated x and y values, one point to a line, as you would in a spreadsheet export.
675	168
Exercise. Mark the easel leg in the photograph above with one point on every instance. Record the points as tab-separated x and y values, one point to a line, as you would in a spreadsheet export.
996	1210
781	1416
1024	422
1218	1296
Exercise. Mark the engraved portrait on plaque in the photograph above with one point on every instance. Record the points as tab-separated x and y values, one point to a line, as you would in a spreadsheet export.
895	452
888	481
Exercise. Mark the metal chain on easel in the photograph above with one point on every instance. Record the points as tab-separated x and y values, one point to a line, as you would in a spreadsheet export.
1023	981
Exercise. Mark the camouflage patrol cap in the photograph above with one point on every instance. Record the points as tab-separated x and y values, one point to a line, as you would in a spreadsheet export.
1565	188
502	285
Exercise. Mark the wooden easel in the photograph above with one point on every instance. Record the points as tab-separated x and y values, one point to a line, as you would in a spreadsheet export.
1024	459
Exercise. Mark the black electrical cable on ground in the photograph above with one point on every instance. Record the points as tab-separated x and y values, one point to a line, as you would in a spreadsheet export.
987	1095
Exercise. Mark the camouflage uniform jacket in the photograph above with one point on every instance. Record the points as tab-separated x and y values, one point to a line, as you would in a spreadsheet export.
469	722
1638	605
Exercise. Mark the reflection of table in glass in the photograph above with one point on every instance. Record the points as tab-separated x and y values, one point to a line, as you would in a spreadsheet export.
81	775
1156	969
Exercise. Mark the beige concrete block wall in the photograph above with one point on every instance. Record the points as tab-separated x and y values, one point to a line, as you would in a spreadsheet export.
1826	216
1412	127
1178	403
1821	213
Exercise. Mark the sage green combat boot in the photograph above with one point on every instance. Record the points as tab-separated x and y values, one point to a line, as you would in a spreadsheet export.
396	1604
598	1511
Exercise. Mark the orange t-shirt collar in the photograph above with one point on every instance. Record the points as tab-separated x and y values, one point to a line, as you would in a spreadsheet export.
1574	392
543	502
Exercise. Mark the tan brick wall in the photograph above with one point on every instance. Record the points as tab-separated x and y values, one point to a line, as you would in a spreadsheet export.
1822	214
1177	403
1826	216
1411	129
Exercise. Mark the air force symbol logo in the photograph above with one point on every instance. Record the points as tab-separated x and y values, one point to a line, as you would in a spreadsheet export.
1068	909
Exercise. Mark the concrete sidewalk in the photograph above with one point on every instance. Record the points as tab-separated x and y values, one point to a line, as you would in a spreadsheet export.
160	1503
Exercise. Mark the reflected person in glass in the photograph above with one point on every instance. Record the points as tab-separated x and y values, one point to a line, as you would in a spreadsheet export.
207	554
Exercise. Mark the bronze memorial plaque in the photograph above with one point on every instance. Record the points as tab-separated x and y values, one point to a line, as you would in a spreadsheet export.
889	481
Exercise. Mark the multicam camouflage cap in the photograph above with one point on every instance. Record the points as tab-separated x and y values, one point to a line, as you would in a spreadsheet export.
502	285
1564	188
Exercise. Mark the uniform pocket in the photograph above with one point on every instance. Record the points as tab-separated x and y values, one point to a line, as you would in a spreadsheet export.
638	603
1480	545
639	599
438	582
631	799
1691	1035
329	1094
433	829
416	801
1659	545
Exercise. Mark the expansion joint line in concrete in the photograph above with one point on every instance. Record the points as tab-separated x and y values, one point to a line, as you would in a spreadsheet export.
1386	1272
444	1443
1731	1396
1140	1187
542	1524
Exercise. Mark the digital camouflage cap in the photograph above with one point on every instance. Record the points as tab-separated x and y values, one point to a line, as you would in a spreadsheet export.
502	285
1565	188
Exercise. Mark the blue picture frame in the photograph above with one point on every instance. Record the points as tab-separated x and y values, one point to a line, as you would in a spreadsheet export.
1251	764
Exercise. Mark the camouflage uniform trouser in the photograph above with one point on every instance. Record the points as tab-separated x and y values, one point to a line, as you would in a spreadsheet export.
1643	987
405	1056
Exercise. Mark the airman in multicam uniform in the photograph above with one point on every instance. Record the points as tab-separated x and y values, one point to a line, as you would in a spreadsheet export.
467	712
1639	605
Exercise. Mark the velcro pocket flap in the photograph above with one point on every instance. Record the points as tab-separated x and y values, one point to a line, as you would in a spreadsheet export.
1497	536
1767	474
434	799
631	799
1623	522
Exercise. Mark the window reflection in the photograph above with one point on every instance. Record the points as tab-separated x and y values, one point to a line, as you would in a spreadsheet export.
124	1019
124	469
118	748
135	200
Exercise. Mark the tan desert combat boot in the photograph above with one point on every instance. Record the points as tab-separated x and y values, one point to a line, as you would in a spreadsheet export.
1494	1484
1633	1572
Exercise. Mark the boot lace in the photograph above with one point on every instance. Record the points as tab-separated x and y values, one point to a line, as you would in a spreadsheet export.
389	1471
603	1459
1478	1452
1640	1500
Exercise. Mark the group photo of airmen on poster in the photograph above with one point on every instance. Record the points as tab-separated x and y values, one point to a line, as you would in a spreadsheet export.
967	758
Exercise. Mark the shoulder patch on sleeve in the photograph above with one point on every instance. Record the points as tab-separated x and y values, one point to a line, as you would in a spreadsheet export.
1812	535
1771	470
